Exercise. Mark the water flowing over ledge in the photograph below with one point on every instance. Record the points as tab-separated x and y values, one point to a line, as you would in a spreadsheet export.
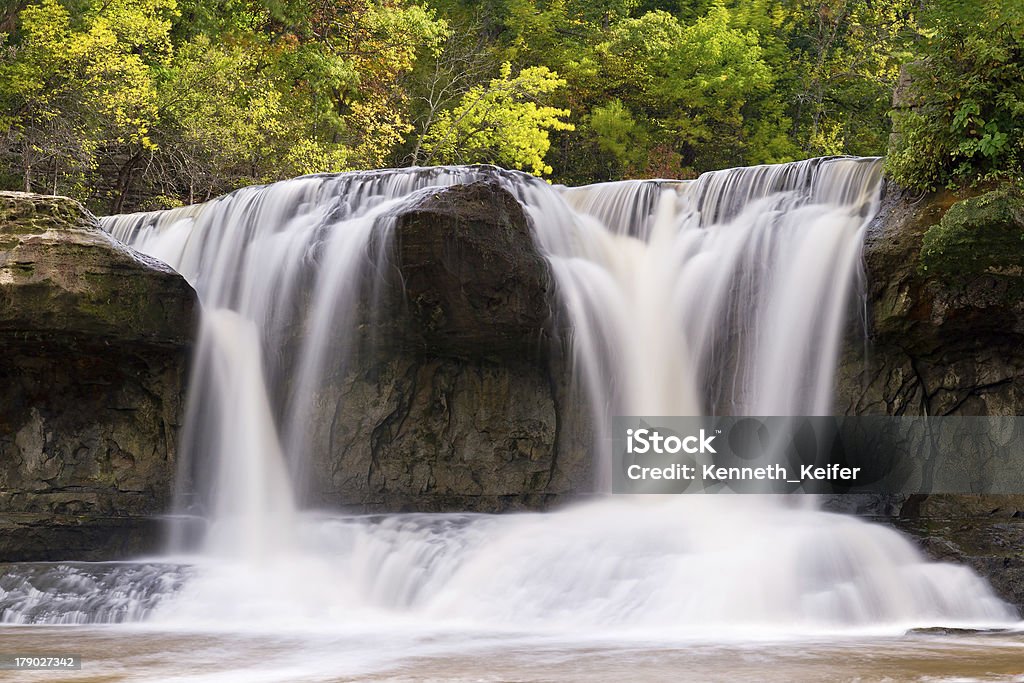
724	294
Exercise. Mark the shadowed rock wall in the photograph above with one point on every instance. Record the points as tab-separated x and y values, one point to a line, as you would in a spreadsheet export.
94	342
945	336
457	400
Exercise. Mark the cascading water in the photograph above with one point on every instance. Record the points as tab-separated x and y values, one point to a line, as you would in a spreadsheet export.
728	293
742	277
260	258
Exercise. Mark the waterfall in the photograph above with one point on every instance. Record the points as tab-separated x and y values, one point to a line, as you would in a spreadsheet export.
727	294
724	294
280	270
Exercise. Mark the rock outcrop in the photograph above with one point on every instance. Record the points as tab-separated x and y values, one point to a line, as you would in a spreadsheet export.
945	304
474	283
94	342
462	402
983	532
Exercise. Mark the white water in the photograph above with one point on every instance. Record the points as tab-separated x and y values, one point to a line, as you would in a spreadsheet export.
744	570
728	293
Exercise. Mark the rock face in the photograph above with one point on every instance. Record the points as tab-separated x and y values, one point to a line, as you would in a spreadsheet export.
464	406
983	532
474	282
94	342
945	302
946	311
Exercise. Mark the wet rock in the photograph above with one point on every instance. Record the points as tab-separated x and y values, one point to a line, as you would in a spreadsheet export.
943	631
457	399
475	284
945	336
945	306
94	342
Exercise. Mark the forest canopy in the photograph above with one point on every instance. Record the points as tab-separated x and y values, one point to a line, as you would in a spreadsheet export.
129	104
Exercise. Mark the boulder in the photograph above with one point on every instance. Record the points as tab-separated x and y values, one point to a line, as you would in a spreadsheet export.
94	343
474	282
462	402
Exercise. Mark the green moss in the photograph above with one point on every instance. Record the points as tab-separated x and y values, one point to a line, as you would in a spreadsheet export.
980	236
7	242
22	214
108	300
120	302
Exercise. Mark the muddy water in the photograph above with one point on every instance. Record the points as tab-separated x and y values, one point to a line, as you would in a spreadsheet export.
130	653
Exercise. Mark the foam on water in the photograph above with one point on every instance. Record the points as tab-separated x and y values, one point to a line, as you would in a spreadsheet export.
624	568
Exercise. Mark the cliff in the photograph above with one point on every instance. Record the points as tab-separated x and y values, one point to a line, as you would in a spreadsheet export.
945	336
94	342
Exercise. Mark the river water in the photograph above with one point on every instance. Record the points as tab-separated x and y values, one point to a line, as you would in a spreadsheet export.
138	653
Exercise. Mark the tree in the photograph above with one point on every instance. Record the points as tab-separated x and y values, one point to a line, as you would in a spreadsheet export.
444	78
966	123
146	103
135	103
81	93
370	45
222	120
623	139
501	123
682	90
846	56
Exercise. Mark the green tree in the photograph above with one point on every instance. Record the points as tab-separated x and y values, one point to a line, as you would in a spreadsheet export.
689	86
966	122
847	55
81	92
441	79
223	118
502	123
621	138
144	103
128	103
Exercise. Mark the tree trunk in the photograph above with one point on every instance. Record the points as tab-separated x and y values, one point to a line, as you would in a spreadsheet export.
125	175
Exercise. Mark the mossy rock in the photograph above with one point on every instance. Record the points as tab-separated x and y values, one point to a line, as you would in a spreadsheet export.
980	236
62	277
25	214
94	343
